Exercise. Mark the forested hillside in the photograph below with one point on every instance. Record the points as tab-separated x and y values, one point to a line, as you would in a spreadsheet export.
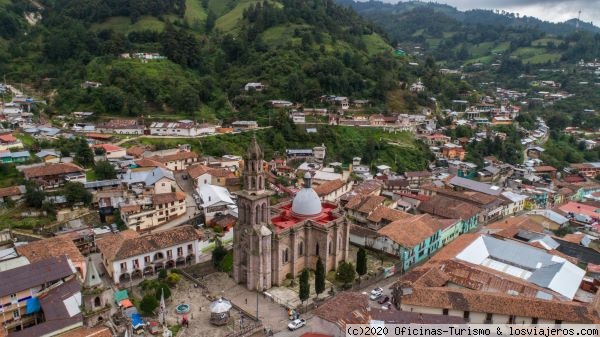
480	36
299	49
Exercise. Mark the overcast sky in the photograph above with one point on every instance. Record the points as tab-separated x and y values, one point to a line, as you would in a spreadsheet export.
551	10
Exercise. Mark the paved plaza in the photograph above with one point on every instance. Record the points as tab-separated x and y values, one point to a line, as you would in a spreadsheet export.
273	315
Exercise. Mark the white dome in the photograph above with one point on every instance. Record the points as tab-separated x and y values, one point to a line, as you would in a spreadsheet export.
306	202
220	306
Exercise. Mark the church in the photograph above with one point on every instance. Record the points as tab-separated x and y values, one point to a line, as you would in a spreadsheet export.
272	242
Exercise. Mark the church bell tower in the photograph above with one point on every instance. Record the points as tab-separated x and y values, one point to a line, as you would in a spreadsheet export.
251	234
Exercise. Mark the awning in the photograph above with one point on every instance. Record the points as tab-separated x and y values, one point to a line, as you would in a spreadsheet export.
136	321
33	305
121	295
126	303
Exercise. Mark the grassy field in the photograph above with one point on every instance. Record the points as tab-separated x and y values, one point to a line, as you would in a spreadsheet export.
229	21
280	35
194	13
543	58
398	150
544	42
219	7
527	52
375	44
482	49
12	217
123	24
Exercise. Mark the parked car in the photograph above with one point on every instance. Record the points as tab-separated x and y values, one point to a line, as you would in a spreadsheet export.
383	300
376	293
296	324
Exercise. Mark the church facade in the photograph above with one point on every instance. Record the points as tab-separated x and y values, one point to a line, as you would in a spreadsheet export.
272	243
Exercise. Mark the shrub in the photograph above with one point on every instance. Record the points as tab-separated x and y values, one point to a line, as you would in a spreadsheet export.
148	304
162	274
173	279
159	290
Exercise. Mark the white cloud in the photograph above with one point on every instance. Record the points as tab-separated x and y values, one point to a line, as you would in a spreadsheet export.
551	10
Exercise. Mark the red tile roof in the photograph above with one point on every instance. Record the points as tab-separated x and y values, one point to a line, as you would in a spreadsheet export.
51	170
411	231
126	244
341	305
7	138
166	198
10	191
329	187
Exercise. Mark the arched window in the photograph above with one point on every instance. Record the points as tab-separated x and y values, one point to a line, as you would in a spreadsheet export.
285	255
264	213
97	302
257	214
330	248
317	249
300	249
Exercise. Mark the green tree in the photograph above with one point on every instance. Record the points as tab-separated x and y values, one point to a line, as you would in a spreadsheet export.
76	193
104	170
118	220
84	155
361	261
319	277
345	273
34	196
173	279
162	274
211	18
218	253
148	304
160	288
304	285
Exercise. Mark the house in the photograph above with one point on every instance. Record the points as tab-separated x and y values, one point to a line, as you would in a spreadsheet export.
44	249
359	207
452	151
49	156
151	212
413	238
204	175
90	85
332	318
459	183
8	142
449	208
121	127
516	283
22	289
185	128
580	212
14	157
254	86
418	178
516	202
111	151
590	170
14	193
49	176
437	139
215	200
128	255
333	189
417	86
535	151
244	125
156	179
178	161
545	171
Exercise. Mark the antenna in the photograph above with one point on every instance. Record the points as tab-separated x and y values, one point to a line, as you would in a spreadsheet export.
578	20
